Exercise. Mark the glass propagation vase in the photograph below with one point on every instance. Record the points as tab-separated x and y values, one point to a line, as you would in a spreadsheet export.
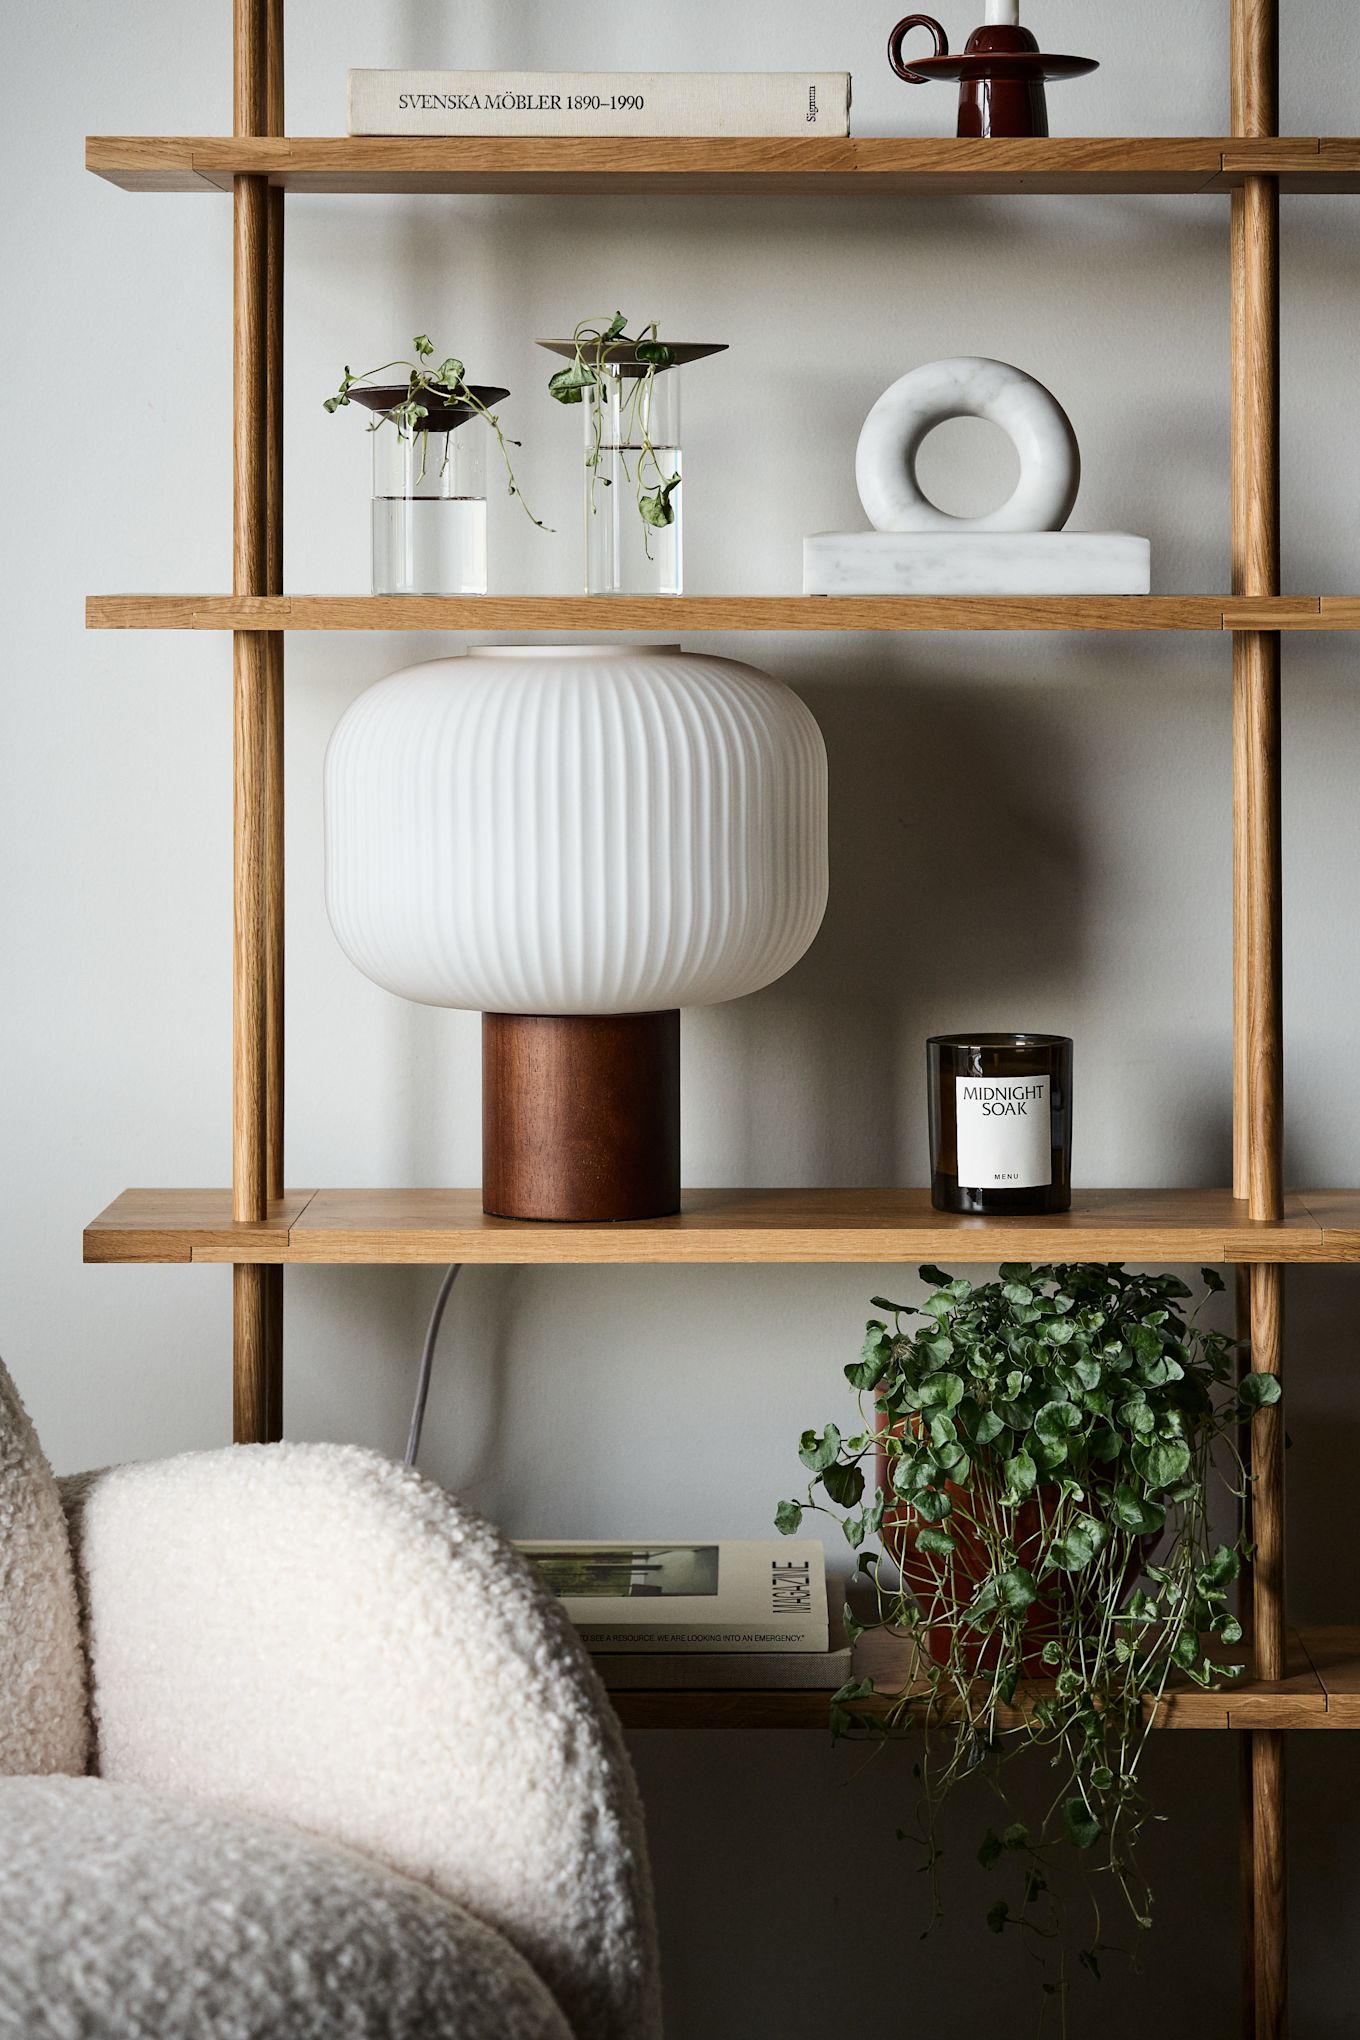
632	451
429	523
631	413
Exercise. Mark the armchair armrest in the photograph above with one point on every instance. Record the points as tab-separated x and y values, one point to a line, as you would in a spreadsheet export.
314	1633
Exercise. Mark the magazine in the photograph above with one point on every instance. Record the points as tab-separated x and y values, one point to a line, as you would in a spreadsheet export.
663	1597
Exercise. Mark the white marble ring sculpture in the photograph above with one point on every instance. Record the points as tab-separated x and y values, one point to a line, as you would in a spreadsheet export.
968	386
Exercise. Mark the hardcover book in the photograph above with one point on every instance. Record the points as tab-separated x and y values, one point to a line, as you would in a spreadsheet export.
708	103
808	1671
661	1598
889	1658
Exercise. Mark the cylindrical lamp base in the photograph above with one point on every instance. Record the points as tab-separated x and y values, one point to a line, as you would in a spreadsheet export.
581	1115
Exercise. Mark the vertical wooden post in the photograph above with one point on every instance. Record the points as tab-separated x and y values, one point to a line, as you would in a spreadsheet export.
1240	868
274	913
273	569
257	726
1257	1029
1246	1839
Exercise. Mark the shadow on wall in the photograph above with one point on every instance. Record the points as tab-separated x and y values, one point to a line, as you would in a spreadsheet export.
957	899
365	1327
845	1909
1322	1422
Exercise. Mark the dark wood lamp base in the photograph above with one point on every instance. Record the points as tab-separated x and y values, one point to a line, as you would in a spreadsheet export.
581	1115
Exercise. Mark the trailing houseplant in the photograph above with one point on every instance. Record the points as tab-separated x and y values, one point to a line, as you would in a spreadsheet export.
1035	1459
438	392
595	344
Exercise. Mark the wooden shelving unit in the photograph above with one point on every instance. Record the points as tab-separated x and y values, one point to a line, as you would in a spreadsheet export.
803	167
601	613
1295	1682
716	1227
1320	1689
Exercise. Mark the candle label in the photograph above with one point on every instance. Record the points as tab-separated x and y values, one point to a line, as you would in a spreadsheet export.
1005	1133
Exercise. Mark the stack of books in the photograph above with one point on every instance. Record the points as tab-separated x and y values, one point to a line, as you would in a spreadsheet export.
707	103
667	1615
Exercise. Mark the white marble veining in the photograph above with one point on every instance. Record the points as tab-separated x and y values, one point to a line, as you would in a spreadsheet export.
976	563
967	386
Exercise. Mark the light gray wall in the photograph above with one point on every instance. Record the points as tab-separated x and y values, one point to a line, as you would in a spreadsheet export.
1028	831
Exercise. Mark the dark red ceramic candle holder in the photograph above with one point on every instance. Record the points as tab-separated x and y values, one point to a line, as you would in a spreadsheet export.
1001	75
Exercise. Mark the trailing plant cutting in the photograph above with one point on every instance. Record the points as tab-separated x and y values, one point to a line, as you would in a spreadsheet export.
595	345
431	390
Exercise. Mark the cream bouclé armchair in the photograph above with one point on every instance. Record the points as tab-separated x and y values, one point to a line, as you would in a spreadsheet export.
293	1747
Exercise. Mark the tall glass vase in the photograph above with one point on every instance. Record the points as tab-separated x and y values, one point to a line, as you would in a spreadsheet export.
429	489
429	510
632	467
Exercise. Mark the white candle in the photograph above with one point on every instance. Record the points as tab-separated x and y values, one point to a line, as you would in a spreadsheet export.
1006	13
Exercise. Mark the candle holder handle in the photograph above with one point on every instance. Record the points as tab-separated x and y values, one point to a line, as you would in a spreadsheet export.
898	36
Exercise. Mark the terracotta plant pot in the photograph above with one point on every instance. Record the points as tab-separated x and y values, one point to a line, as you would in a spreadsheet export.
979	1652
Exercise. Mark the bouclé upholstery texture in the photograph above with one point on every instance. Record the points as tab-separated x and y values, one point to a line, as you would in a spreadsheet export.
314	1634
44	1723
129	1916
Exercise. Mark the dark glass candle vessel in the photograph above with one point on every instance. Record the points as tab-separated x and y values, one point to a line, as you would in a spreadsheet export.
1000	1123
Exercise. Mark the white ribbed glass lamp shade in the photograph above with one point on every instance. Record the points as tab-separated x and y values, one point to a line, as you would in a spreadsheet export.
548	829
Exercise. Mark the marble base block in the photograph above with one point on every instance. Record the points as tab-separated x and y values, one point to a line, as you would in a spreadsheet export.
976	563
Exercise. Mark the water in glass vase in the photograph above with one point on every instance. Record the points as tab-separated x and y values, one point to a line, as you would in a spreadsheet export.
624	554
429	545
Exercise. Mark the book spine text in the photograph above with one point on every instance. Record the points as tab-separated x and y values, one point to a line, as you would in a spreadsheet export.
527	103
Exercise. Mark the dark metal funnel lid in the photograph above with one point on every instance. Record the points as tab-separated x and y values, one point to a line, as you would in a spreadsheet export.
619	353
443	417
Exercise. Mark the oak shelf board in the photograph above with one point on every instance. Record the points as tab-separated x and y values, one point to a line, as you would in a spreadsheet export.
600	613
935	166
722	1227
190	1225
1322	1690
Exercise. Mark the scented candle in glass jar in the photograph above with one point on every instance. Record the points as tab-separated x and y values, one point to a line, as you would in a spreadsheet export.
1000	1123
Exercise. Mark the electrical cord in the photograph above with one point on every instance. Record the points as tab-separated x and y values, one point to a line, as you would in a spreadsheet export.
427	1361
